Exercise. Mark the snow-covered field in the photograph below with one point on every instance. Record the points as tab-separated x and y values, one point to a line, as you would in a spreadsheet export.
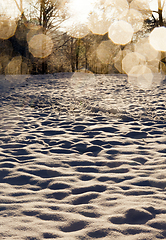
82	156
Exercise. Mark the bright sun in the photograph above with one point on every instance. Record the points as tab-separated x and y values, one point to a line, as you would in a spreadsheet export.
80	9
11	8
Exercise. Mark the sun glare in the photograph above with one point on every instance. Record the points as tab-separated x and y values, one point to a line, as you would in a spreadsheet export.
119	19
10	8
80	9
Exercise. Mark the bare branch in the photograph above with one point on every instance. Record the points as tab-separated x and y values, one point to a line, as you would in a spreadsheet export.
61	45
18	6
163	4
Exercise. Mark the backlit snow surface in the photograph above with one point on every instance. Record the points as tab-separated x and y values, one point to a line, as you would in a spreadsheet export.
82	156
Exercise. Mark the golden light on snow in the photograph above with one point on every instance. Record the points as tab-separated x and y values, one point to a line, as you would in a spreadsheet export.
157	39
120	32
116	7
106	51
141	76
131	60
7	28
143	7
133	17
144	47
99	23
78	30
40	46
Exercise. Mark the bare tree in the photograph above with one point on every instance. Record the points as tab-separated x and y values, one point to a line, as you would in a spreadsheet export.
159	11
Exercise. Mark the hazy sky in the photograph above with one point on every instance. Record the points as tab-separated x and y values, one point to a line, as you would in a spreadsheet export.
81	6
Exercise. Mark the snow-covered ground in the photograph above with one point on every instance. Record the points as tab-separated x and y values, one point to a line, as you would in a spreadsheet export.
82	156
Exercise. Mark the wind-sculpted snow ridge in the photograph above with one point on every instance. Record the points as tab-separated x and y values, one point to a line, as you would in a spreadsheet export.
70	173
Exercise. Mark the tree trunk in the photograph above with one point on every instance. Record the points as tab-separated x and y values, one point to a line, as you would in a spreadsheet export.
44	67
160	17
43	23
86	60
77	53
72	55
160	12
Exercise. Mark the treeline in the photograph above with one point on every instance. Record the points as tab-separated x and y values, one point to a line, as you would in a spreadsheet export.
69	54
